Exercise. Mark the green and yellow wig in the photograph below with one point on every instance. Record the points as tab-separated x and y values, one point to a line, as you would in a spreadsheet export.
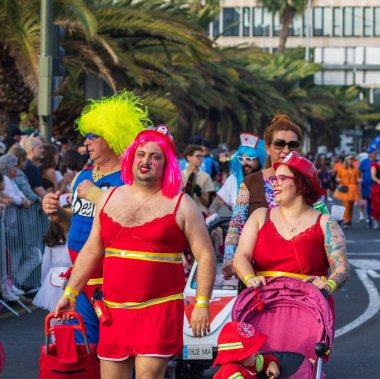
118	119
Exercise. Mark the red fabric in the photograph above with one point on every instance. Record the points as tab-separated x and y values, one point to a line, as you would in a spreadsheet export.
66	350
375	194
229	369
303	254
155	329
2	358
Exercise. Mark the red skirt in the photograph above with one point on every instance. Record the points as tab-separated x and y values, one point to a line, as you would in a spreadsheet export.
156	331
375	201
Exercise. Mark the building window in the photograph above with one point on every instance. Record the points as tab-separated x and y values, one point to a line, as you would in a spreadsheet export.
317	21
215	26
376	21
231	19
246	22
337	21
276	24
358	21
327	22
296	28
367	22
348	21
262	21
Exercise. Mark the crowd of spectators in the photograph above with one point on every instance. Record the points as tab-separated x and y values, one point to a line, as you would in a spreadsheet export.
30	168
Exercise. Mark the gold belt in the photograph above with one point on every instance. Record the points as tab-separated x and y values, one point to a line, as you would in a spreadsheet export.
144	304
145	256
283	273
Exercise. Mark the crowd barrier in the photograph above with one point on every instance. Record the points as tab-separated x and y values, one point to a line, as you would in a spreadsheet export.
21	249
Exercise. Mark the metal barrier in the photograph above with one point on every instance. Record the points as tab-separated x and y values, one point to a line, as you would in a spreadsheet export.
21	249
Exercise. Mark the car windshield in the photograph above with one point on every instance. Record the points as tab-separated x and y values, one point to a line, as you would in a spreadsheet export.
220	282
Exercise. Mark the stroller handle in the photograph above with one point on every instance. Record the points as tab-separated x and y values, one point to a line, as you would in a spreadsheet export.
81	327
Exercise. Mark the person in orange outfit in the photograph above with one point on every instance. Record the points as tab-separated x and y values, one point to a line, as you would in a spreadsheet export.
348	190
238	345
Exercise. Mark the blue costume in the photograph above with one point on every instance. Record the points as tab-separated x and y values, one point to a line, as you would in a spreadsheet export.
81	223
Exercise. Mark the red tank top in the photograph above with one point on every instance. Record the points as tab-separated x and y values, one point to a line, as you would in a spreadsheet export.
142	262
303	254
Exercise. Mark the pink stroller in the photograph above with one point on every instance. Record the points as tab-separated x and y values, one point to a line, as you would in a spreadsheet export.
298	320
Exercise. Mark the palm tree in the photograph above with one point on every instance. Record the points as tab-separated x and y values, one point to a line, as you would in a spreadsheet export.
287	10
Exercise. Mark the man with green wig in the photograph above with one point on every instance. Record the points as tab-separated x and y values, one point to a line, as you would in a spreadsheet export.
109	126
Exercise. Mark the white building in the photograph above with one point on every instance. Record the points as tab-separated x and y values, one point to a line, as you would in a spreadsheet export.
344	34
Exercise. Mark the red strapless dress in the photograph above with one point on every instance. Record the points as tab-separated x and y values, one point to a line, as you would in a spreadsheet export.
143	283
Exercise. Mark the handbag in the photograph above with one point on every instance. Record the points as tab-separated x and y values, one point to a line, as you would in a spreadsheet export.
343	189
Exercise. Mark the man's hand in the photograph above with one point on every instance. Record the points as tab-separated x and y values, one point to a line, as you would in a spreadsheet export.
50	203
26	203
64	304
84	188
228	270
200	321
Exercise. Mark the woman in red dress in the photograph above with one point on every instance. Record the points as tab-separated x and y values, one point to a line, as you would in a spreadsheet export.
293	239
375	191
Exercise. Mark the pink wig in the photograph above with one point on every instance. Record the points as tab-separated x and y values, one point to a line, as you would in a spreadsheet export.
171	183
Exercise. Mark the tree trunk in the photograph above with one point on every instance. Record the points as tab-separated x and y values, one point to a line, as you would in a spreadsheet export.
286	20
211	127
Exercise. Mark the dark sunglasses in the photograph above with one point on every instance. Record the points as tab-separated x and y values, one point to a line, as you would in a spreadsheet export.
279	144
91	136
200	156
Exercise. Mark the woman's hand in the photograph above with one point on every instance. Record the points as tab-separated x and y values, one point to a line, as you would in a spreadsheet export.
256	281
318	282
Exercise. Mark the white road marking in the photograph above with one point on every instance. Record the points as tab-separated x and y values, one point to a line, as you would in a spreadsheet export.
362	253
362	241
365	270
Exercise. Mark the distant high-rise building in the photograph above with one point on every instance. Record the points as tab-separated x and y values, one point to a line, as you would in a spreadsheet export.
344	37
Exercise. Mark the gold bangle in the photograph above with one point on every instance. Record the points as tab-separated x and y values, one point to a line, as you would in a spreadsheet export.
247	277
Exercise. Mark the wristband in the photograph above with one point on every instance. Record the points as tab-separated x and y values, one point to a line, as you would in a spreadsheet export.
332	284
69	296
247	277
202	302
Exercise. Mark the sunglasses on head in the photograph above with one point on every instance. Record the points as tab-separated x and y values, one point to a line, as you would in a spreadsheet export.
247	159
279	144
91	136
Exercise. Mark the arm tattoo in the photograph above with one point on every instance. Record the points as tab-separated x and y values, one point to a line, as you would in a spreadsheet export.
335	248
239	217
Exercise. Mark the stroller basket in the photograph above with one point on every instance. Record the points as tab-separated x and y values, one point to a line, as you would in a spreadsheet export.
295	316
65	359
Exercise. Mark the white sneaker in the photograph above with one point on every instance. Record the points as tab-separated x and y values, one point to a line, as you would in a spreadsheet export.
16	291
375	225
8	296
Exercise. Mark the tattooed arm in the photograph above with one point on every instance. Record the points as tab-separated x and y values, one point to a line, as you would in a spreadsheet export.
335	248
239	217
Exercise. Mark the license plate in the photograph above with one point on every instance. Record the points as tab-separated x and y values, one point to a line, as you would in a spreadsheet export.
197	352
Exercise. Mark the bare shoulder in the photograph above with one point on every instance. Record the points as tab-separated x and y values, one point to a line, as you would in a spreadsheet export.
258	216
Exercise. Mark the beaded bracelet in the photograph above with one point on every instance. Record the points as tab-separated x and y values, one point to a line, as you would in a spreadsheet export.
247	277
202	302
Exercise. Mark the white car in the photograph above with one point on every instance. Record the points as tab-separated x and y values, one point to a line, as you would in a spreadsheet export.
199	353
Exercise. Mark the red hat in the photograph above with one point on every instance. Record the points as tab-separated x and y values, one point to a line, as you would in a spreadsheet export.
161	130
305	167
237	341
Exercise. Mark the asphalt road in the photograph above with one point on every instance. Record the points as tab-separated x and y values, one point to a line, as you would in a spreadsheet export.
356	347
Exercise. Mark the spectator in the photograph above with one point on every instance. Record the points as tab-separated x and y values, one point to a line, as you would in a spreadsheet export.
8	167
367	182
348	189
196	183
34	150
21	179
209	164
